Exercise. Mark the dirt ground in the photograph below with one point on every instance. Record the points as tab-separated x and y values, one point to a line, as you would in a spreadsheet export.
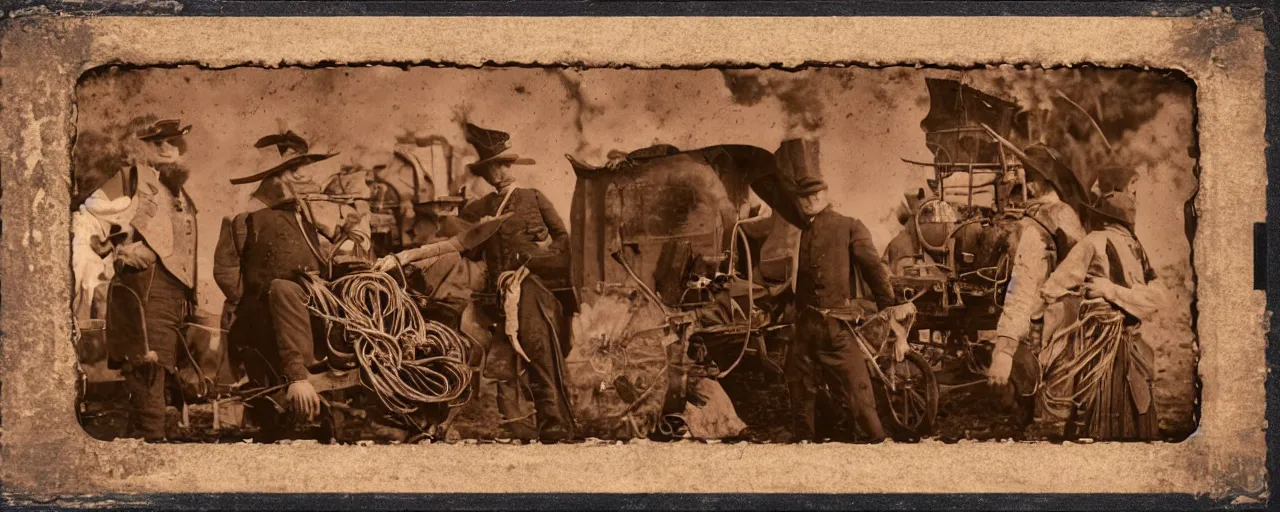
759	396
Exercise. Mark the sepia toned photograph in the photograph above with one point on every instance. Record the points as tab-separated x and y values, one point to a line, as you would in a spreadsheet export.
829	254
999	260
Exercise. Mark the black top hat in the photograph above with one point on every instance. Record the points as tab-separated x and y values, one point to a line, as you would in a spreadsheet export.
490	145
166	129
809	185
293	149
798	158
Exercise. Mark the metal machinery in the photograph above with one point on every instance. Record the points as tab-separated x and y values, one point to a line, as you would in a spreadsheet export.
679	228
413	193
953	255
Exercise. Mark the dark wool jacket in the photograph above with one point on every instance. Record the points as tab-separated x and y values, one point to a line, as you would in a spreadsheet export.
838	262
534	219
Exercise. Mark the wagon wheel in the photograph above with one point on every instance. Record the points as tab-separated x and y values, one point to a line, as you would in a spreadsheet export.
911	406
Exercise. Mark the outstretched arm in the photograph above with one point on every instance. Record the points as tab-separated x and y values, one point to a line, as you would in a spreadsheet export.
1140	300
431	250
470	239
1022	295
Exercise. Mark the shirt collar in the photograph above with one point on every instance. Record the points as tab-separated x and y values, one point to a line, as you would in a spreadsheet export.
824	210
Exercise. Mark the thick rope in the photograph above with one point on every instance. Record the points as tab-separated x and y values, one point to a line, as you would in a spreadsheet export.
1078	375
406	360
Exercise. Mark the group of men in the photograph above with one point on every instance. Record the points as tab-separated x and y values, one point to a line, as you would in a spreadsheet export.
519	238
1057	263
260	254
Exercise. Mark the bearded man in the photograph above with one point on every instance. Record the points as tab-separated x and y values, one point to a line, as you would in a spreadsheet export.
153	292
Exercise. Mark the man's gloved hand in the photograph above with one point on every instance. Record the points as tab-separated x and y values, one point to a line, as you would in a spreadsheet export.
1001	361
304	399
904	311
386	263
136	255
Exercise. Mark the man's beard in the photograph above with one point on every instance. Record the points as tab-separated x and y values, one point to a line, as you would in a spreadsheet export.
173	175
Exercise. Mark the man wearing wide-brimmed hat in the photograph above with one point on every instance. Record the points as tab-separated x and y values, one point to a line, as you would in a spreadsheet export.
257	258
1048	230
152	294
838	270
528	251
1111	269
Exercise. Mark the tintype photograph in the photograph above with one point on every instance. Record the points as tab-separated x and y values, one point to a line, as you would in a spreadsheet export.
826	254
633	255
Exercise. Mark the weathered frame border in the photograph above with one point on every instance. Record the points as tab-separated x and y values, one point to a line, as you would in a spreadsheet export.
41	58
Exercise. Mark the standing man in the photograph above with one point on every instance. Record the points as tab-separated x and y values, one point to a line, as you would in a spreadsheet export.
1105	397
839	269
152	294
1045	235
529	249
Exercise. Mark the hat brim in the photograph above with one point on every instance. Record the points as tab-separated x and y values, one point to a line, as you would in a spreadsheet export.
508	158
178	139
1036	167
812	189
290	164
1112	216
166	135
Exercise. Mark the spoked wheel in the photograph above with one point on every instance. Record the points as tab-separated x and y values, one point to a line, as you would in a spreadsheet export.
909	401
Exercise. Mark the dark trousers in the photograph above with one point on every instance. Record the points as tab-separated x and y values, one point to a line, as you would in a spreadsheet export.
823	351
146	312
541	341
145	384
273	336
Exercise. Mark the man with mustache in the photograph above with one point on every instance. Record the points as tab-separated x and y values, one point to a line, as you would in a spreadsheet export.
153	292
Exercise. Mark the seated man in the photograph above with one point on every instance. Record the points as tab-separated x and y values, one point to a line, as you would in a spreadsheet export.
258	260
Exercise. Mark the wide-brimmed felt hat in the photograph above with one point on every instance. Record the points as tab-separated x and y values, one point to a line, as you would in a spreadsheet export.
294	154
1046	163
1115	206
491	147
1114	178
809	185
166	129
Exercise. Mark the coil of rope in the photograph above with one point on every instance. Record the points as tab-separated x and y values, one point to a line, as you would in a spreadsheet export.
407	361
1076	377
